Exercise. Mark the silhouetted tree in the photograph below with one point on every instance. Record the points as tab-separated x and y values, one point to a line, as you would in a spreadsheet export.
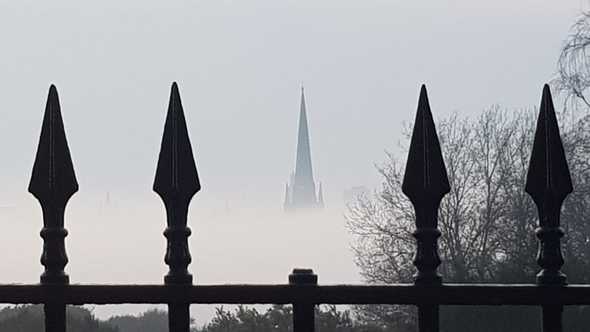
574	64
487	221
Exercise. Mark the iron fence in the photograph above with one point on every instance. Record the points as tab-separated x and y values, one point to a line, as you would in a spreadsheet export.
53	182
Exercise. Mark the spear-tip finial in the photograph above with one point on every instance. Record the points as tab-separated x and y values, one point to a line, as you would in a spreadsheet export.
425	174
53	178
548	175
176	173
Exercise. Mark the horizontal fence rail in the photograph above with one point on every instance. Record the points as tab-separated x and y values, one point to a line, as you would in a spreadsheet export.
405	294
53	182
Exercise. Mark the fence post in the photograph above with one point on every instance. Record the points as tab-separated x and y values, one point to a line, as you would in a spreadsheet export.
53	182
549	183
426	183
303	312
177	182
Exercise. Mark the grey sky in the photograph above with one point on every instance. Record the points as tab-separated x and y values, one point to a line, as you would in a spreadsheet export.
239	65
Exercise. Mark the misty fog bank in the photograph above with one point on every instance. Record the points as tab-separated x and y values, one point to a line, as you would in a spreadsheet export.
118	241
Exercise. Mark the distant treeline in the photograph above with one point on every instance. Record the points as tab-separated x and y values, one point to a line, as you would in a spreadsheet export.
278	318
30	318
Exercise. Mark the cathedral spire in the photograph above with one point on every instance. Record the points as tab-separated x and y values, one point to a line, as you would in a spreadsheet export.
301	192
303	167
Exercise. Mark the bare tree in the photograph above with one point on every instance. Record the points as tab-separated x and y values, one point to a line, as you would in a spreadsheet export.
573	79
483	167
487	221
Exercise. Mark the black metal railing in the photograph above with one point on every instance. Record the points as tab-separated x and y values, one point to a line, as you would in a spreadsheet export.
53	182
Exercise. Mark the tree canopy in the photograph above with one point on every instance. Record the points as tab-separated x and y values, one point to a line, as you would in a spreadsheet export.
487	221
573	68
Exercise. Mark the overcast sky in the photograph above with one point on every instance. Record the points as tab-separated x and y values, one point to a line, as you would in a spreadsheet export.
239	65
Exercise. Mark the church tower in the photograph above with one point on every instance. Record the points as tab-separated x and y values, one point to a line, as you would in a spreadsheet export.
300	192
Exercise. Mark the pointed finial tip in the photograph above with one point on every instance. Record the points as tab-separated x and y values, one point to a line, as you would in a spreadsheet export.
425	172
53	177
548	169
546	100
52	97
423	92
423	99
176	172
546	90
174	91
